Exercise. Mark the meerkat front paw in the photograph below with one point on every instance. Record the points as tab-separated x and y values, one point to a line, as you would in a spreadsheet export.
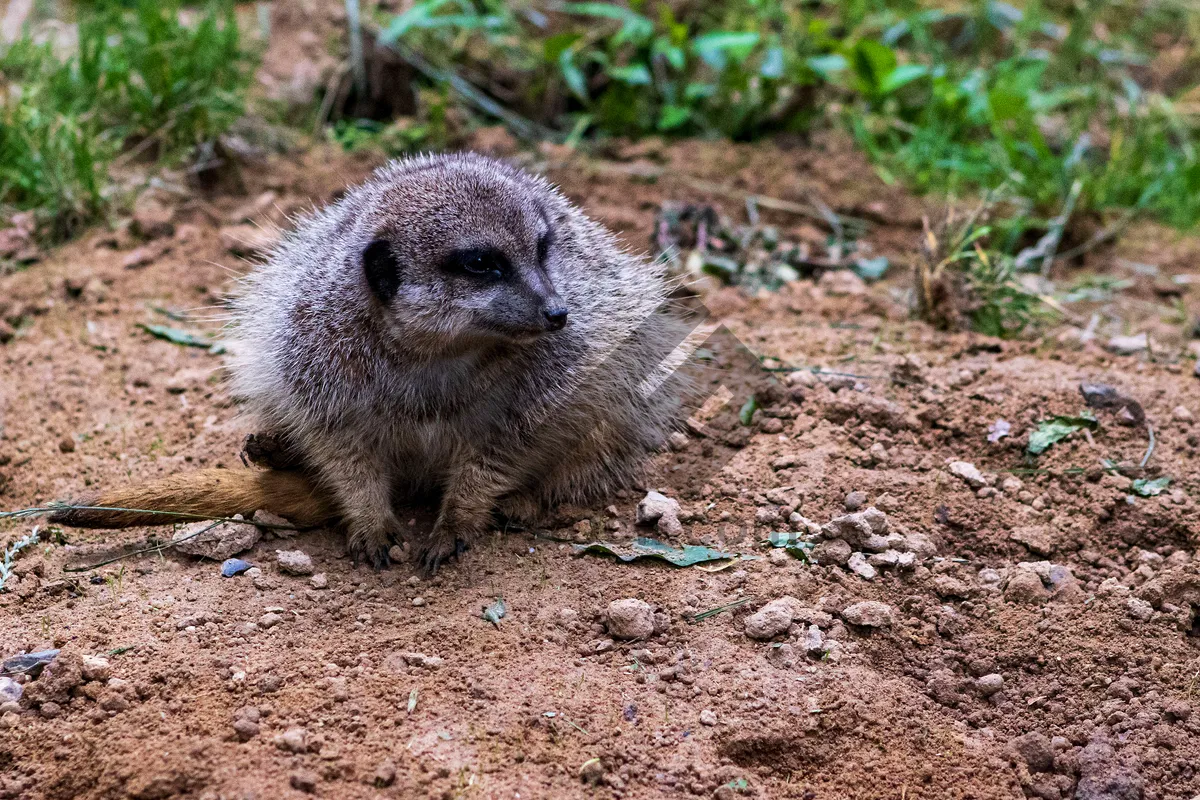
369	543
442	545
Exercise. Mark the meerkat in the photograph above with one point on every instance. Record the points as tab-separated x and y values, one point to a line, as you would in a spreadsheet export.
456	329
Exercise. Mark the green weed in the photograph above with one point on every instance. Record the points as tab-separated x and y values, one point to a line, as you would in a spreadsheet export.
139	84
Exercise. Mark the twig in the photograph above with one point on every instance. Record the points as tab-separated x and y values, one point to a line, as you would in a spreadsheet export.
712	612
1150	448
50	509
357	64
522	127
152	549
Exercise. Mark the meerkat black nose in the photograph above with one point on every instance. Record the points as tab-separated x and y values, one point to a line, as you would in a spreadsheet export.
556	318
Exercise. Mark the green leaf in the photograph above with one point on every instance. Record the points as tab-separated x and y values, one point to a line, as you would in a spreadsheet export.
748	409
673	117
1055	429
643	547
902	76
181	337
827	66
871	269
873	62
554	47
773	63
633	25
794	543
632	75
1151	488
495	612
718	47
572	75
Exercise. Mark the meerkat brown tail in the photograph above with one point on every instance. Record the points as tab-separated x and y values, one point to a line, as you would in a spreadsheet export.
205	493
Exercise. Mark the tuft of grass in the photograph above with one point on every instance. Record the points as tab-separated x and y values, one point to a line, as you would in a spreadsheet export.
141	83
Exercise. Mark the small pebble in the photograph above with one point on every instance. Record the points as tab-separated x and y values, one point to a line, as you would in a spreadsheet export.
708	717
396	554
10	690
96	668
269	620
319	581
418	601
246	729
630	618
1182	414
968	474
772	619
67	445
859	565
868	614
1139	609
234	566
303	780
653	506
385	775
294	562
855	501
988	685
293	740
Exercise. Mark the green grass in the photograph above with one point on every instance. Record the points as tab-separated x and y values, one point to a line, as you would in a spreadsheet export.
140	85
1032	101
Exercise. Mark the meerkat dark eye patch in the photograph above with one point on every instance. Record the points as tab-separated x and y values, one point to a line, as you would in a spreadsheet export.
478	262
382	270
543	246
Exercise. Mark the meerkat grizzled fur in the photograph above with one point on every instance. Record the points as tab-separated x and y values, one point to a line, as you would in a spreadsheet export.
457	328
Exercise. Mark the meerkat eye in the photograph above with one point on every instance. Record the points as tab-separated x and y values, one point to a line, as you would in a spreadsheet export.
543	246
480	263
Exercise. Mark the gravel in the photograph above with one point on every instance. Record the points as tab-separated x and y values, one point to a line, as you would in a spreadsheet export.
1139	609
772	619
293	740
653	506
859	565
988	685
269	620
630	618
868	614
856	528
1128	345
10	690
855	500
95	668
1036	750
303	780
814	641
832	551
708	717
294	562
968	473
217	542
245	729
319	581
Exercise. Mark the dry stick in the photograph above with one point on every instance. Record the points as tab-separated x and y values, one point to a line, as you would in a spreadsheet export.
522	127
1150	448
152	549
42	510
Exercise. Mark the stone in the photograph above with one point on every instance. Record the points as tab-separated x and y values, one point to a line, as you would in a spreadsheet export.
57	679
814	642
1036	750
1182	414
855	501
630	618
653	506
293	740
919	544
832	551
1025	587
856	528
217	542
708	717
842	283
303	780
319	581
10	690
772	619
1129	345
948	587
96	668
945	687
294	562
968	474
889	558
269	620
245	729
858	564
868	614
988	685
670	526
1139	609
1035	537
385	775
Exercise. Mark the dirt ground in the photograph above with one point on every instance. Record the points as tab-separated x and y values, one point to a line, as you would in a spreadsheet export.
1038	631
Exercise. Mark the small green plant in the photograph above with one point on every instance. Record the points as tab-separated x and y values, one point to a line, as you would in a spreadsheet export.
139	83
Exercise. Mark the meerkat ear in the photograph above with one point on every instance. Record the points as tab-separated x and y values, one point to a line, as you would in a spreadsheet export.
382	270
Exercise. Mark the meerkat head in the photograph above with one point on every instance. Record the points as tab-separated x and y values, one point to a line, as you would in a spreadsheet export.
461	250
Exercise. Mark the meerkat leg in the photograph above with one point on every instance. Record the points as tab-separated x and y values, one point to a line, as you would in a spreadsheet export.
465	513
363	489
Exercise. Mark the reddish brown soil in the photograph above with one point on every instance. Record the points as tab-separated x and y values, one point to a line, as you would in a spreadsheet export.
87	399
